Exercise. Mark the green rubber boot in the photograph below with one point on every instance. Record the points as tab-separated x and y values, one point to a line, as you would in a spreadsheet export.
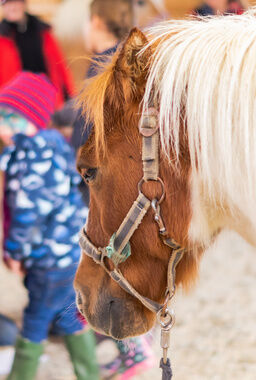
26	360
81	348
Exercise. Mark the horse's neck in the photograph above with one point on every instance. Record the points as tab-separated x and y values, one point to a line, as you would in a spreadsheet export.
209	217
243	226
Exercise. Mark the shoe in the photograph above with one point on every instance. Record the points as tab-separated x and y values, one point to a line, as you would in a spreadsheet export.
82	351
26	360
134	357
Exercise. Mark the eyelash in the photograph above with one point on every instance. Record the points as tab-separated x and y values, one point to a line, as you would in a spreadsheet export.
89	175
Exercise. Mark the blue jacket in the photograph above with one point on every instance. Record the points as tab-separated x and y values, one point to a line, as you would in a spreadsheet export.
45	204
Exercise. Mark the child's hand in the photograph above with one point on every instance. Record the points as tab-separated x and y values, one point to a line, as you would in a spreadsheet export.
15	266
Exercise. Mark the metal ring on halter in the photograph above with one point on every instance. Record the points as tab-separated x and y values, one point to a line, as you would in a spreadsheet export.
166	321
159	180
102	262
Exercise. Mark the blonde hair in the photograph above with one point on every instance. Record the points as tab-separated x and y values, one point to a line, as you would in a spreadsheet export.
203	76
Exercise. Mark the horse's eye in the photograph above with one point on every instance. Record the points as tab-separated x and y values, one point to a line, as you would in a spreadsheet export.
89	174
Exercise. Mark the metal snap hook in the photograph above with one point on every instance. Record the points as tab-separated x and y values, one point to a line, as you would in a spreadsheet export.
155	206
166	318
157	217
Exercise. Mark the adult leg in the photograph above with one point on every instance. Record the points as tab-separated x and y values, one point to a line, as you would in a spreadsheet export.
8	331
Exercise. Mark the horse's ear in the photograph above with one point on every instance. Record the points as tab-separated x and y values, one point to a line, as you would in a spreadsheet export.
131	61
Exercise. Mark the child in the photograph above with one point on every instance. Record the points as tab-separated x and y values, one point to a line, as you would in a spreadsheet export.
46	214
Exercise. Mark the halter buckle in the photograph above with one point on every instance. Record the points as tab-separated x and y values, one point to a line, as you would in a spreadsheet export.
149	123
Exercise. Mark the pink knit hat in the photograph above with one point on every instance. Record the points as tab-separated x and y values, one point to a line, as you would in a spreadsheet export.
31	96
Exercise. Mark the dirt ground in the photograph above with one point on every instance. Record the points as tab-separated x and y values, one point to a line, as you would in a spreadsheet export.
215	334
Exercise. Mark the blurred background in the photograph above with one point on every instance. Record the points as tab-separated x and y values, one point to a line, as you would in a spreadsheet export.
68	18
214	337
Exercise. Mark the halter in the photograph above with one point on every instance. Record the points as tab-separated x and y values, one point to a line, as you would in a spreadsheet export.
119	248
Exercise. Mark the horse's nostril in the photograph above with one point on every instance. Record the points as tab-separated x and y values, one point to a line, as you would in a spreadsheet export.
79	298
111	304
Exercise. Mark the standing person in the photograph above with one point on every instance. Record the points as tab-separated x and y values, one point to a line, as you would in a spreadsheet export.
110	21
214	7
27	44
46	214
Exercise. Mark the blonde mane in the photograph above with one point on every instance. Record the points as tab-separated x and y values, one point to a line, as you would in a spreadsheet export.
203	74
92	100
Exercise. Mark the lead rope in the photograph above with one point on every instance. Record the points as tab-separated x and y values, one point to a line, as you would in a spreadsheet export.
166	326
166	319
165	365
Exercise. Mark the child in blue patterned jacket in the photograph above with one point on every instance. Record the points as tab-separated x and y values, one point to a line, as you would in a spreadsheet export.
46	214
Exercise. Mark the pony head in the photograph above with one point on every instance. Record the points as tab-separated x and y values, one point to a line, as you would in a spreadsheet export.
201	75
111	164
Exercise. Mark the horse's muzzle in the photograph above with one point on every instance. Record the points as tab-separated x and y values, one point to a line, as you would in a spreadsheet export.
116	317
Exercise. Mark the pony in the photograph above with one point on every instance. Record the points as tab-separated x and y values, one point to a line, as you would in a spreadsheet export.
201	76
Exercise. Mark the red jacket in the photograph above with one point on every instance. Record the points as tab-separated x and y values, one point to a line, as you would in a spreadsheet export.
58	72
